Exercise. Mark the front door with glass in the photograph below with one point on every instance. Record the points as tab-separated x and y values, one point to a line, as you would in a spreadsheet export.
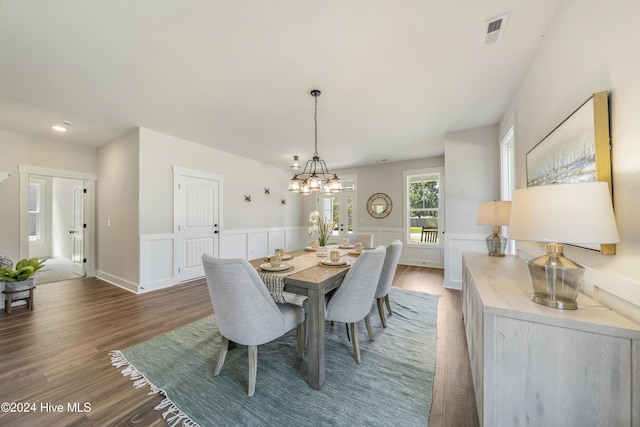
339	208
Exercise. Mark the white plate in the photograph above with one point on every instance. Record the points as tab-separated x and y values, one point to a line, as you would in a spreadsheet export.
284	257
354	253
267	267
309	248
327	262
346	246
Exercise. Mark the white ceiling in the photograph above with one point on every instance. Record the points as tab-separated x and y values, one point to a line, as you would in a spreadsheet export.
395	75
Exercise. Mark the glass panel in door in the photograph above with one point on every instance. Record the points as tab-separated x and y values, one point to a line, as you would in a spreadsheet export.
339	208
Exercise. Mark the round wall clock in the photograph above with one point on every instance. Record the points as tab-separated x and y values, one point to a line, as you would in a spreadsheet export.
379	205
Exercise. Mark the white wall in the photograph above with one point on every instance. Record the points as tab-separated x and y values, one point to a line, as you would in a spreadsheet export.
160	152
591	46
117	212
471	176
247	229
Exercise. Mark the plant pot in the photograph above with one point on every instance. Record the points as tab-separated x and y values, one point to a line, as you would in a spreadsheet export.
17	286
322	251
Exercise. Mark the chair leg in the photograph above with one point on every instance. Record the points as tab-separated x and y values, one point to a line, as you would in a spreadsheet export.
253	368
354	340
367	321
348	337
302	332
386	300
381	312
224	345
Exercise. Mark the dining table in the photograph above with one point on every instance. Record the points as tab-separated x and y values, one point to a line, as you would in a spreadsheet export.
310	277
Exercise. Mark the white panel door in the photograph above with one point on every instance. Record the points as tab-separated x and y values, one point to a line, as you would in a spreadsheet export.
77	231
197	211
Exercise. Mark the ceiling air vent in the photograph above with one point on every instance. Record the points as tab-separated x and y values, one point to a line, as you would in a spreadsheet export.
494	29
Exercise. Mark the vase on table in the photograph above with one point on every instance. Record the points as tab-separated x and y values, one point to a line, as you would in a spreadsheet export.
322	251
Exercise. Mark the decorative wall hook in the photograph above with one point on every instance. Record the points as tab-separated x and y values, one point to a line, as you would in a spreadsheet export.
266	191
247	198
283	201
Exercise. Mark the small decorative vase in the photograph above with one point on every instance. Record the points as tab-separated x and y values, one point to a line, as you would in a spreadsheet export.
17	286
321	251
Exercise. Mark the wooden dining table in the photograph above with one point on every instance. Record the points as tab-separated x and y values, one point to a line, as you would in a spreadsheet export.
314	282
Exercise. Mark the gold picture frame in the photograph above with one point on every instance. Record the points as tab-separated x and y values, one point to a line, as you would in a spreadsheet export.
577	150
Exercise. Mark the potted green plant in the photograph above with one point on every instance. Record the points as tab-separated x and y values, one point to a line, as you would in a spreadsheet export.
21	277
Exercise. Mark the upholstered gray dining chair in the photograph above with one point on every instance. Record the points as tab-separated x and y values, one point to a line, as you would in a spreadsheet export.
394	249
245	311
352	301
365	238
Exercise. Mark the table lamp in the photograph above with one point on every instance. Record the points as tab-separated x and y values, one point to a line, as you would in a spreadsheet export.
569	213
496	214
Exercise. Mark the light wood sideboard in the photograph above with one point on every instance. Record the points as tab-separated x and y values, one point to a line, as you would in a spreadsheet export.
538	366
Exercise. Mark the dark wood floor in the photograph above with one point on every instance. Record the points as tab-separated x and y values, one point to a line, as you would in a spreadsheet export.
58	354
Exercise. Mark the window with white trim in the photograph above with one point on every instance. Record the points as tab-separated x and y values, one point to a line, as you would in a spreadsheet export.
507	176
423	210
35	211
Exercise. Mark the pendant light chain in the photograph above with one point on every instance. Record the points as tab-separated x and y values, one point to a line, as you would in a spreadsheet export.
315	120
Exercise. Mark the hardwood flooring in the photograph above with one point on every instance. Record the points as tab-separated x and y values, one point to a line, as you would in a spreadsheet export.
55	362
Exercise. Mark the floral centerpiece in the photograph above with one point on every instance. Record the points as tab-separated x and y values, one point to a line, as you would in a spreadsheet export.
322	227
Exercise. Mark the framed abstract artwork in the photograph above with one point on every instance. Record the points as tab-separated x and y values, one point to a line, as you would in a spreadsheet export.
577	150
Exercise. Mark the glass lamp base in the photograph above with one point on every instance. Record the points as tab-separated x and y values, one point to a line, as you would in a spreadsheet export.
555	279
496	244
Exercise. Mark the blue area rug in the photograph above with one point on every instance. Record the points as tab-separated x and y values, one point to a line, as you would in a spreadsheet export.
392	386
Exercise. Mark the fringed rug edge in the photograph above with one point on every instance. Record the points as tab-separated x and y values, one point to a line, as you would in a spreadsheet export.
173	415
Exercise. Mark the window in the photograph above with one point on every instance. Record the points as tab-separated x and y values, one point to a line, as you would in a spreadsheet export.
507	176
35	212
423	197
507	166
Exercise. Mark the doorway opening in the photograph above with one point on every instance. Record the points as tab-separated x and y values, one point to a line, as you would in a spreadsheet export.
56	227
57	210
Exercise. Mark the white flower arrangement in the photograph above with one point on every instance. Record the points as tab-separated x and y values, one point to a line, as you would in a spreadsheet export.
321	227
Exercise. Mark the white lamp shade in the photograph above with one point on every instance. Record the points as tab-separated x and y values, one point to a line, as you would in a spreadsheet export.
564	213
494	213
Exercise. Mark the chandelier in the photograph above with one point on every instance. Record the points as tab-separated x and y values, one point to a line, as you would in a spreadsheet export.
315	176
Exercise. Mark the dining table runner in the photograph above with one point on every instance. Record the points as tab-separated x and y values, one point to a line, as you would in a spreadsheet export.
274	280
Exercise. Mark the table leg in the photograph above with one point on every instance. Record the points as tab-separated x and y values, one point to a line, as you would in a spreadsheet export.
316	337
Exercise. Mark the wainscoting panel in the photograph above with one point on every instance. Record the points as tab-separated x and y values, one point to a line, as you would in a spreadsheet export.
258	244
455	244
159	254
157	262
422	256
297	238
419	255
276	240
233	245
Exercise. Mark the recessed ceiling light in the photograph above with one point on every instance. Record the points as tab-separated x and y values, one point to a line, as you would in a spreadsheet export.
62	127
